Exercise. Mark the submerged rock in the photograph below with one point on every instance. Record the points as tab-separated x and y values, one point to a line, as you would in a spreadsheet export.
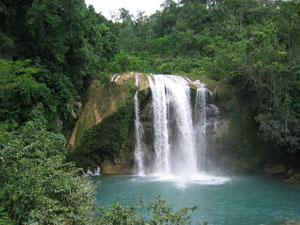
294	178
290	222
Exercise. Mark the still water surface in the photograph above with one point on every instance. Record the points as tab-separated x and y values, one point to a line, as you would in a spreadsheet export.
230	200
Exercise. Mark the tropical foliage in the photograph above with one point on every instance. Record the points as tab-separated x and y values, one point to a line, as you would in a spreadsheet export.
51	49
37	185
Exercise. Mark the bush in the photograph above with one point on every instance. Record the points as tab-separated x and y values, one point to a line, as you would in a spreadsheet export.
37	185
159	211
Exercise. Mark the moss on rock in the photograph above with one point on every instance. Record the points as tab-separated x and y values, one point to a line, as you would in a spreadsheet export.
104	134
102	101
104	141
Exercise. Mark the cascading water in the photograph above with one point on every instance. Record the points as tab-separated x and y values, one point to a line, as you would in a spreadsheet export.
138	153
89	171
200	123
179	129
160	123
173	126
115	78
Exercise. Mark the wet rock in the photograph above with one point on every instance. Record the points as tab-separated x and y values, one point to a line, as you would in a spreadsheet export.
77	97
223	126
78	105
275	169
73	114
59	123
118	167
294	178
290	172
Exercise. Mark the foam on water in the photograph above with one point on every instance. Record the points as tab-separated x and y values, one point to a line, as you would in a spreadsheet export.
183	182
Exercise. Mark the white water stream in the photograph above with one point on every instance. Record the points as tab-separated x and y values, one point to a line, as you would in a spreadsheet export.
138	152
174	142
179	131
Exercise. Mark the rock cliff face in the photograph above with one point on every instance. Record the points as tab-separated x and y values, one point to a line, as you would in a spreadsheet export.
102	101
103	135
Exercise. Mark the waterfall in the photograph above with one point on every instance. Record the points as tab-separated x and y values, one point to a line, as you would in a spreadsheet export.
115	78
174	141
89	171
138	153
180	126
201	123
160	123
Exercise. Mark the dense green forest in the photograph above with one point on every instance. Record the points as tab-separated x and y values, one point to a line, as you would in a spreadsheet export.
50	51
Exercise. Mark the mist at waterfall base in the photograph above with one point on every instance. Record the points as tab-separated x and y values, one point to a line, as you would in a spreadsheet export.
174	164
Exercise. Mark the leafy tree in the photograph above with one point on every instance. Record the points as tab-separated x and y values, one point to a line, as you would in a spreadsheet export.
262	69
66	41
19	91
37	185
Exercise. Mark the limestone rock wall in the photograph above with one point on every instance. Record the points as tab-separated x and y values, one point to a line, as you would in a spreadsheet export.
103	101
